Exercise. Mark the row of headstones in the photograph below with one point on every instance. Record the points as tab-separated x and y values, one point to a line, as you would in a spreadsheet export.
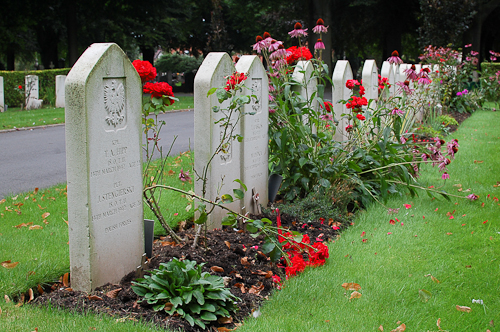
31	92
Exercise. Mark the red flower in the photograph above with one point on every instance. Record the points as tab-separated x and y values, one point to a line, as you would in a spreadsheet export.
159	90
348	128
361	90
297	264
351	83
328	106
145	69
357	102
360	117
392	222
318	254
20	87
298	53
234	80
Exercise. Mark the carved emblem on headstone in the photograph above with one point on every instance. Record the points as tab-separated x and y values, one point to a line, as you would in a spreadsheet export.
226	153
256	90
114	102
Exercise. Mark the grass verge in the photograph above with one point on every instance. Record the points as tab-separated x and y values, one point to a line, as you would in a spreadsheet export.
395	264
15	118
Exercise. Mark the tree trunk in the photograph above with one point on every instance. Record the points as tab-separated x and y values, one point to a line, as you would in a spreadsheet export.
148	54
11	58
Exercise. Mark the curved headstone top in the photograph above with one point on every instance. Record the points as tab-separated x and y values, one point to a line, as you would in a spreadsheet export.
341	74
370	79
388	72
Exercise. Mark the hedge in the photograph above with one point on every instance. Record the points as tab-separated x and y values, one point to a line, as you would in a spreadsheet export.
495	66
46	82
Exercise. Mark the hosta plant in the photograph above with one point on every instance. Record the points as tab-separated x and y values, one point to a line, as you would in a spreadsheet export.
180	287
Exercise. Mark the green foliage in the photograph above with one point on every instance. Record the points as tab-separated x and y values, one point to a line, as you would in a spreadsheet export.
490	80
46	81
180	287
177	63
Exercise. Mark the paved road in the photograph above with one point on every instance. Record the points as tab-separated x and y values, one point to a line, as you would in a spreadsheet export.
37	158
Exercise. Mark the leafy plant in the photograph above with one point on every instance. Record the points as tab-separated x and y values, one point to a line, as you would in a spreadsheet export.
180	287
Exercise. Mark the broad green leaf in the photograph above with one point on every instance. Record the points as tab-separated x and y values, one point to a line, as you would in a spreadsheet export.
238	193
208	316
424	295
241	183
211	92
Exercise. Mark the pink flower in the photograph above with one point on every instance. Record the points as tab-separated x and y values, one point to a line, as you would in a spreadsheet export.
319	45
280	53
365	240
392	222
474	53
468	45
298	31
184	176
484	222
176	214
394	58
320	27
389	233
407	206
327	117
473	197
363	234
348	128
445	176
335	228
397	111
411	74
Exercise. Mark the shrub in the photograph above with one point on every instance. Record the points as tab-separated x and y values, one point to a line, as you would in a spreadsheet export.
46	82
177	63
181	287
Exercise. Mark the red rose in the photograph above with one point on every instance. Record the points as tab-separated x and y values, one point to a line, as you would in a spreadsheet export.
234	80
361	90
328	106
351	83
159	90
20	87
360	117
297	264
145	69
319	256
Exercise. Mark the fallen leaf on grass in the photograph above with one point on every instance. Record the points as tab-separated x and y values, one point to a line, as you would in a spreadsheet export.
424	295
45	215
113	293
24	224
217	269
478	161
463	308
95	297
35	191
30	293
35	227
438	323
351	286
21	301
9	264
3	201
449	233
381	328
65	221
7	299
433	278
40	207
355	295
400	328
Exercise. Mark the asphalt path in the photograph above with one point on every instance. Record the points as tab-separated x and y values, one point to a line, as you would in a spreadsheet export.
37	157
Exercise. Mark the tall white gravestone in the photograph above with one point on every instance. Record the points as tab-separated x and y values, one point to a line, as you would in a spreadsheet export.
2	100
225	166
31	92
370	80
341	74
388	72
254	129
303	74
104	167
60	80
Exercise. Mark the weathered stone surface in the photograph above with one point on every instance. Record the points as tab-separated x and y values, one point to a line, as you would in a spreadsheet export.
341	74
104	167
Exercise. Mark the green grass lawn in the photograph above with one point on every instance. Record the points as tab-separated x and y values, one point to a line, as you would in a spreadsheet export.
15	118
395	264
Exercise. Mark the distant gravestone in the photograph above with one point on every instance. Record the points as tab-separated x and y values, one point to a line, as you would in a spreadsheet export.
254	129
402	76
303	74
60	80
104	167
341	74
370	80
2	100
225	166
388	72
32	92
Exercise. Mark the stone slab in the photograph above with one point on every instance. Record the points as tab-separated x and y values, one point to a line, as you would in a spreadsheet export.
60	80
341	74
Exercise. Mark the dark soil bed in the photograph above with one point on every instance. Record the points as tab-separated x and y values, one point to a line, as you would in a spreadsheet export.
236	252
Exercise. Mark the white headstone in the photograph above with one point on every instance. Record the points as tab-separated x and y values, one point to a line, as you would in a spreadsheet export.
104	167
2	100
402	76
370	80
254	129
32	92
303	74
388	72
341	74
224	168
60	80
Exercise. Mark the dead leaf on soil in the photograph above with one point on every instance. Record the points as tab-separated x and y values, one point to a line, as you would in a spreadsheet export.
21	301
40	290
256	289
355	295
113	293
225	320
241	286
95	297
217	269
463	308
400	328
351	286
9	264
228	244
245	262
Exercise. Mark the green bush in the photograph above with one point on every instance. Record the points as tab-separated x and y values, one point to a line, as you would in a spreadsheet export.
46	82
493	66
177	63
181	287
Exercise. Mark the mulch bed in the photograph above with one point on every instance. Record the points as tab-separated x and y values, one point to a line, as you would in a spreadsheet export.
236	252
